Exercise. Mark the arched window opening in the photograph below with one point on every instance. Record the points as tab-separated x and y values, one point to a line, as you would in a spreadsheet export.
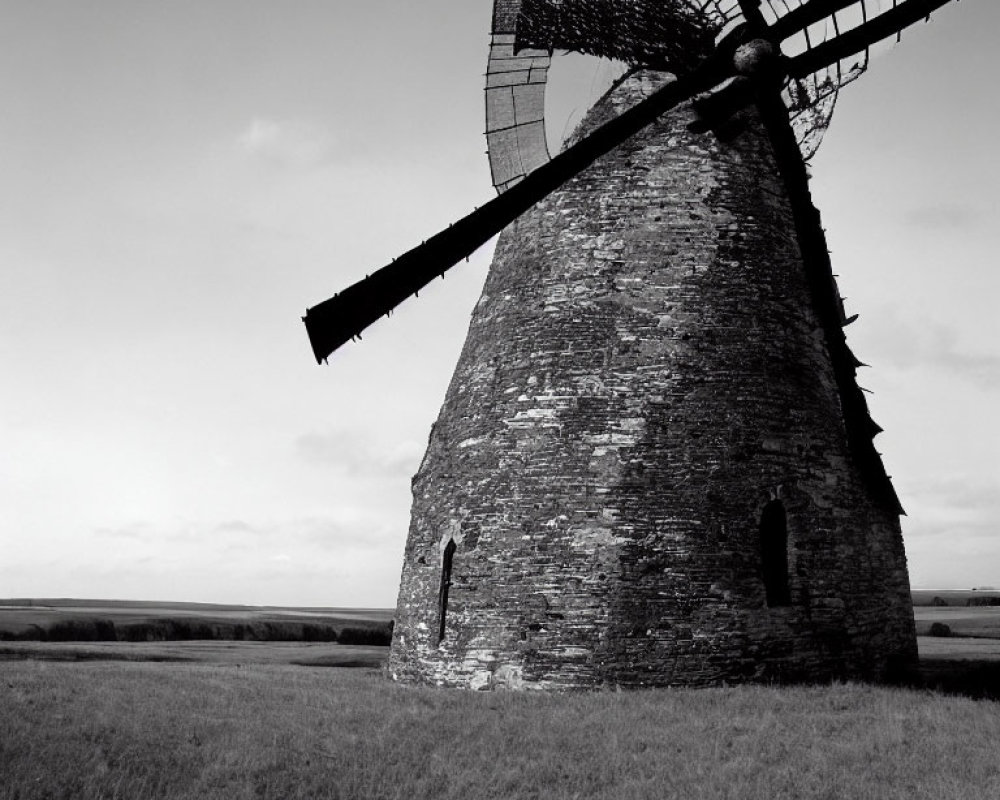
449	554
774	554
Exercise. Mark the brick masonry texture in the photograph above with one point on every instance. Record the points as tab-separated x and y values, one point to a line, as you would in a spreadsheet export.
643	374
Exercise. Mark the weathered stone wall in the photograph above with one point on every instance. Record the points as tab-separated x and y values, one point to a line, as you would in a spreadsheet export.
643	374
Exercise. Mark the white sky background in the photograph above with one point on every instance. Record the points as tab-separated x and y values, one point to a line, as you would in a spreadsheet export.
180	180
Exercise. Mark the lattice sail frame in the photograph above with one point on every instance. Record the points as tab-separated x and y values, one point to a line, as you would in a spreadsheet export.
515	100
674	36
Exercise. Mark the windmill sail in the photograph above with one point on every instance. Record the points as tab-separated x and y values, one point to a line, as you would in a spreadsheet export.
675	37
809	31
337	320
515	100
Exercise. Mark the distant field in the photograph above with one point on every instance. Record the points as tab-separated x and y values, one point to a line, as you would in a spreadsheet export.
971	622
157	606
90	630
59	620
927	597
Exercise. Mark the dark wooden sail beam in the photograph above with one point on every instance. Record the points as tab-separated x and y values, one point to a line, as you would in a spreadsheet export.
345	315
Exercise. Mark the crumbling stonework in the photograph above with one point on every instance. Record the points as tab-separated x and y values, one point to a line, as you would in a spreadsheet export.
645	374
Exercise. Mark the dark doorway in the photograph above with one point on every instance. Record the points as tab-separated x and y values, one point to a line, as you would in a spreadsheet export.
449	554
774	553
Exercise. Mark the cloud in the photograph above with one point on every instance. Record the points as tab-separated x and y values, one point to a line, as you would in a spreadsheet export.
937	346
238	527
943	216
952	532
351	454
960	510
956	492
289	143
134	531
346	530
343	529
363	532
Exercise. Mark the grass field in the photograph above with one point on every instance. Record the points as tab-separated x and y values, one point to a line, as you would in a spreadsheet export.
260	719
124	730
958	648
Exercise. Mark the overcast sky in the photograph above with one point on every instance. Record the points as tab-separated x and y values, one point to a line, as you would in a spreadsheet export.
180	180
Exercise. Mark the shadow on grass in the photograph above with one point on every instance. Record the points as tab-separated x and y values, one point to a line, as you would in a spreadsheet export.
979	680
7	654
373	662
975	678
301	654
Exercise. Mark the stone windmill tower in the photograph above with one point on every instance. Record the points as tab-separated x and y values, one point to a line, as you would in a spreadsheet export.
653	465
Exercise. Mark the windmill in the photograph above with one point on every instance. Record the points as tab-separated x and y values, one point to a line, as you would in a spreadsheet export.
653	464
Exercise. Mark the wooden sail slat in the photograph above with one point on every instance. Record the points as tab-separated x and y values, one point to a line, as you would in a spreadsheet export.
888	23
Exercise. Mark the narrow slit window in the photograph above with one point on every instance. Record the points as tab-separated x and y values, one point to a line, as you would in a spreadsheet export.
449	554
774	554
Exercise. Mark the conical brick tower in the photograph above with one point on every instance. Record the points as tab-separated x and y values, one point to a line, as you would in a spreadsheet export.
646	469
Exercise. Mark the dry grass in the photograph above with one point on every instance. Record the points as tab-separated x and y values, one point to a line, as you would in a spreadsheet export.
105	730
959	649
